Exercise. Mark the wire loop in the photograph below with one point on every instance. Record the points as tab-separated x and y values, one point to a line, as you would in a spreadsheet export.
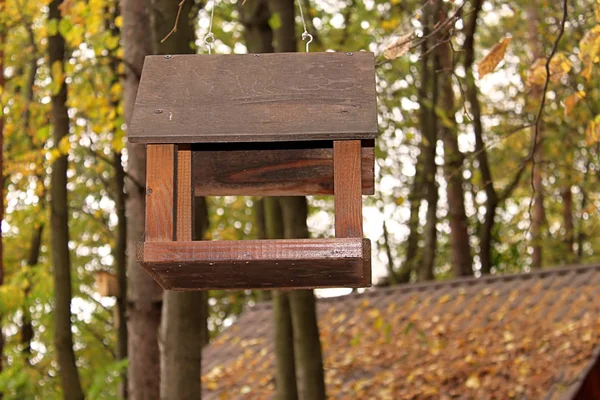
305	36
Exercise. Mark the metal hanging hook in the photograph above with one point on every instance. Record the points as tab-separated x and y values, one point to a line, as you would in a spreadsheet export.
209	39
306	35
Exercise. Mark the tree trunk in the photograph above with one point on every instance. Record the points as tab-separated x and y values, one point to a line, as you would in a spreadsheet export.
568	225
429	126
285	369
261	233
120	248
307	343
145	296
485	233
539	216
27	331
2	84
183	315
259	37
255	15
453	163
59	222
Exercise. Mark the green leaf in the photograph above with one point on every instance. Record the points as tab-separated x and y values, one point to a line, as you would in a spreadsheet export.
64	27
275	21
52	27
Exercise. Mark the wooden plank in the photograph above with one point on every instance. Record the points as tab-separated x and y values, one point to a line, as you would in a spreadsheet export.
267	170
160	174
251	97
347	189
185	197
256	264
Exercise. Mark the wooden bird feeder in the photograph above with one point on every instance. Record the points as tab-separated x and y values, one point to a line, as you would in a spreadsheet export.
260	125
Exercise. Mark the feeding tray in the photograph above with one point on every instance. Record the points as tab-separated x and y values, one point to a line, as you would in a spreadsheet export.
287	124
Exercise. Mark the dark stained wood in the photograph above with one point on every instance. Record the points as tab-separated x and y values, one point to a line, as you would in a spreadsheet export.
272	171
347	189
251	97
184	212
160	176
256	264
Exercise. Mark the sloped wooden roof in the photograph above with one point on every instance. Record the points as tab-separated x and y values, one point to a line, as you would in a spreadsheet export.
525	336
255	98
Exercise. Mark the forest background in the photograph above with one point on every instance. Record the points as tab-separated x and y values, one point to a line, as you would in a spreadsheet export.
487	160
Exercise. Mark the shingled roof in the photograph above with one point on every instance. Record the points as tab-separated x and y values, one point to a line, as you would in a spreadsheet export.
525	336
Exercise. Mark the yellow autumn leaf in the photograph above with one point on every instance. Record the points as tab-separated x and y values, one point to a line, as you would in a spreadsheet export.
58	75
488	63
572	100
64	145
537	73
589	50
119	21
559	67
597	10
398	46
473	382
592	132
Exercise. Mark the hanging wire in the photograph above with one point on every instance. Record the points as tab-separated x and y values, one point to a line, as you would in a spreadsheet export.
209	39
305	34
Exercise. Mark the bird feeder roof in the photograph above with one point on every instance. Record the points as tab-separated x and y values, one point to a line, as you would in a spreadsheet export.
256	98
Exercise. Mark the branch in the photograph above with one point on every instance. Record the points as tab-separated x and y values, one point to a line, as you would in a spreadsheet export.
181	3
538	120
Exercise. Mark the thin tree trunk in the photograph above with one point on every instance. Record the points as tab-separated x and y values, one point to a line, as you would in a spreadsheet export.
393	276
255	15
285	369
120	254
568	224
144	295
429	127
411	260
539	216
261	233
59	222
183	314
486	229
259	37
453	163
2	84
307	343
201	225
27	331
120	248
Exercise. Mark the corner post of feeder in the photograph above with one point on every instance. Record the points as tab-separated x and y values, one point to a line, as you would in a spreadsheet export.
184	214
347	188
160	192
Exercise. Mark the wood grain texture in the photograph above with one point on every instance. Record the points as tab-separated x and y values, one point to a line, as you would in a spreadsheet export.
160	176
184	212
251	97
268	170
347	189
258	264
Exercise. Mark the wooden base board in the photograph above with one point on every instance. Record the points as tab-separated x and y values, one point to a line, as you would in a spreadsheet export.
258	264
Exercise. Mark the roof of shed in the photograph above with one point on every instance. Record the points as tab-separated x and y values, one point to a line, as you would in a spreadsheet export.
527	336
256	98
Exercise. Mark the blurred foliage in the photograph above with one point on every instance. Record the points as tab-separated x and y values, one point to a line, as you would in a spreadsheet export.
571	121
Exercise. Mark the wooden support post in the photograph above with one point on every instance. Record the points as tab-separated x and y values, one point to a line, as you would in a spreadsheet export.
184	215
160	176
347	189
